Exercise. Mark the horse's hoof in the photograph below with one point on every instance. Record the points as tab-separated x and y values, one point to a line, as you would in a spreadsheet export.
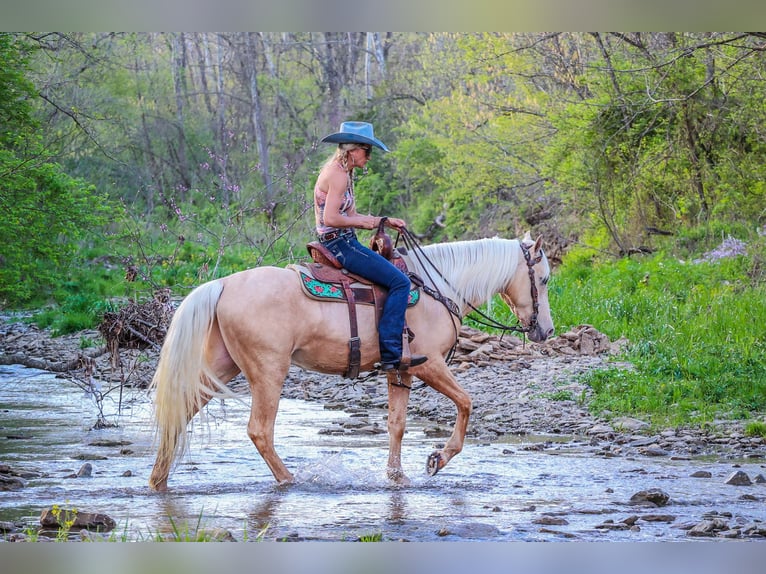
433	465
398	477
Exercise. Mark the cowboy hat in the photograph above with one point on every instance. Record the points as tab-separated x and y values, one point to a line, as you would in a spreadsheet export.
355	132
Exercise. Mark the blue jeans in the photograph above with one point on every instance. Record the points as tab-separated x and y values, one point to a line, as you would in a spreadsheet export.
364	262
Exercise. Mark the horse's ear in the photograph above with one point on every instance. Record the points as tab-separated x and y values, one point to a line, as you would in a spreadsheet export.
538	243
527	236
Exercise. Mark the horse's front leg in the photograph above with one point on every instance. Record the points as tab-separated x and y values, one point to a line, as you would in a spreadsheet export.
398	397
437	375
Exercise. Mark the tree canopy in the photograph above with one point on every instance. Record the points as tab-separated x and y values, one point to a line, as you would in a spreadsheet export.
602	138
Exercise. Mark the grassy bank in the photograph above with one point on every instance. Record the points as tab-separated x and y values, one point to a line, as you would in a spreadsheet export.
697	332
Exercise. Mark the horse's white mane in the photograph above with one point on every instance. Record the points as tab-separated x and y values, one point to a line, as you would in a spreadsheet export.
474	270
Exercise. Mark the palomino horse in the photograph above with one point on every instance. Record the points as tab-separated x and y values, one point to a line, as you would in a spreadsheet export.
259	322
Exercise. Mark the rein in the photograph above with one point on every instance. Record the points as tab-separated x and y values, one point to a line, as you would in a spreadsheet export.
412	244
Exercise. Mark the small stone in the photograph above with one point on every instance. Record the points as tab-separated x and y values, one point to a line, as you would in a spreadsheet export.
653	496
550	520
86	470
701	474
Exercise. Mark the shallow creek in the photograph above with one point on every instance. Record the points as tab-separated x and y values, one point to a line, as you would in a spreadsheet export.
501	491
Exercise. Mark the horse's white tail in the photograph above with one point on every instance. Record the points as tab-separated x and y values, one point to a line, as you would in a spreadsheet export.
183	376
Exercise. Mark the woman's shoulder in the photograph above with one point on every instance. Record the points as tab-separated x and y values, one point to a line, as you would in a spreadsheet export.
332	176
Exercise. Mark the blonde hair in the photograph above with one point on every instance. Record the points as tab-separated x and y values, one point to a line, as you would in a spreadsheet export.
341	155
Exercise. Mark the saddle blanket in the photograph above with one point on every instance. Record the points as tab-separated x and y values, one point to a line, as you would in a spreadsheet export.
333	291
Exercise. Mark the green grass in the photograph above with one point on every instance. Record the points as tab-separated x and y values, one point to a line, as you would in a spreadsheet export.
755	429
697	334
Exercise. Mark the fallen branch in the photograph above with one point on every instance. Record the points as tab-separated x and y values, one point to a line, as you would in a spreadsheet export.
44	365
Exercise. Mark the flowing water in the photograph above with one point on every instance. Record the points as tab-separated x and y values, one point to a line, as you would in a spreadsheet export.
502	491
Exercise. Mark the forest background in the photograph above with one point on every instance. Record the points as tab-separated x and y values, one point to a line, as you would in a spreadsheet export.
135	161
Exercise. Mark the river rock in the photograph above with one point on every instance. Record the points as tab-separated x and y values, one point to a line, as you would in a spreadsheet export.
475	530
548	520
653	450
8	483
701	474
80	519
658	518
7	526
739	478
86	471
709	527
629	424
651	496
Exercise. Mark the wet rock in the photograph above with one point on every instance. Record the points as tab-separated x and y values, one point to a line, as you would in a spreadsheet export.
701	474
89	457
86	471
127	473
759	479
612	525
738	478
88	536
7	526
658	518
754	529
630	520
708	527
652	496
59	518
653	450
548	520
108	442
557	532
475	530
9	483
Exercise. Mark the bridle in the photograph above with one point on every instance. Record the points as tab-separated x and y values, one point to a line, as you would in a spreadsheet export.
412	244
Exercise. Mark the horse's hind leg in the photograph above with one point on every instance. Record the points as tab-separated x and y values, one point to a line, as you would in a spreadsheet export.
398	397
265	388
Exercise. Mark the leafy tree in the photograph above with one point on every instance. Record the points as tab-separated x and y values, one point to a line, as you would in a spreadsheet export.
45	212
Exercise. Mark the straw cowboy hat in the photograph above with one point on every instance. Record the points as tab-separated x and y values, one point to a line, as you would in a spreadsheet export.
355	132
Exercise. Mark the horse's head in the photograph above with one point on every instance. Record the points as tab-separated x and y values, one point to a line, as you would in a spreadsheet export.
527	292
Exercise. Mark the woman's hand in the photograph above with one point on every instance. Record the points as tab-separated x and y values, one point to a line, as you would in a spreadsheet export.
396	223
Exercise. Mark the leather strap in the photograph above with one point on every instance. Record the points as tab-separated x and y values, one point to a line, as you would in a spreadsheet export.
354	344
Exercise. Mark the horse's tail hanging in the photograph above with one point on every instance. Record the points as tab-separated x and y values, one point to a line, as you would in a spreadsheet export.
183	374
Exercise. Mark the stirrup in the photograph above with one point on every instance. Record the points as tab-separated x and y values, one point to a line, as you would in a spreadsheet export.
414	361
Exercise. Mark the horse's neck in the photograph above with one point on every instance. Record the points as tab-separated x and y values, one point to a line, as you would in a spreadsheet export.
470	272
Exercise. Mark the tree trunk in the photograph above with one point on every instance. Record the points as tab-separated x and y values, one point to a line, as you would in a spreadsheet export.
180	89
258	126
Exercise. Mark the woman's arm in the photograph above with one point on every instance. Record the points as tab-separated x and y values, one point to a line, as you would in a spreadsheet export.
336	183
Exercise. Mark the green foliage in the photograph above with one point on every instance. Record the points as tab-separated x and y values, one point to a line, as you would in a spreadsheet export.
755	429
696	332
375	537
46	213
